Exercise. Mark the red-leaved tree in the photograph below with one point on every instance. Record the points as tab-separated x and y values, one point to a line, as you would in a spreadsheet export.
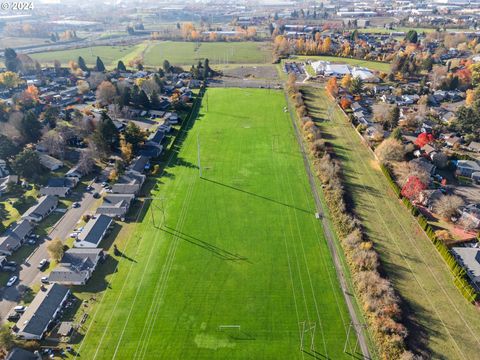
413	187
424	139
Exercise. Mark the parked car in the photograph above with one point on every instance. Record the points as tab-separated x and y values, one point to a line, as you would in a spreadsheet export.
13	316
31	242
9	268
89	188
12	281
20	309
44	280
43	264
11	263
76	205
74	235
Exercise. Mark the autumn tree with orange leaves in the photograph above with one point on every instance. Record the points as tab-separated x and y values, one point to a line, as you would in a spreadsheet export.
332	86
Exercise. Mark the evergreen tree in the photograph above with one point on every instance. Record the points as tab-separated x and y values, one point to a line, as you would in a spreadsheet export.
412	36
11	60
154	100
206	69
81	64
100	67
121	66
7	147
143	100
30	128
166	66
105	136
27	164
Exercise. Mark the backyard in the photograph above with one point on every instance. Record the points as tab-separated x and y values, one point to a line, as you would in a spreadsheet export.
441	321
230	263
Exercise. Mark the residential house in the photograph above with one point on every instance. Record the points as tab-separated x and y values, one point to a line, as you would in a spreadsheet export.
76	267
49	162
470	215
61	187
140	164
15	236
43	310
94	232
474	146
469	258
129	183
466	168
116	205
22	354
425	165
153	146
45	205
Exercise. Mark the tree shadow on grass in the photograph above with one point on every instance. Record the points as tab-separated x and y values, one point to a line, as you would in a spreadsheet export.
215	250
257	196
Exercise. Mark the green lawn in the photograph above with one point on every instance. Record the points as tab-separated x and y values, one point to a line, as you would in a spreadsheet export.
440	319
239	246
109	54
372	65
188	53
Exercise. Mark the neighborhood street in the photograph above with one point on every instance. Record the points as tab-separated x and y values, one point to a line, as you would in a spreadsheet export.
28	273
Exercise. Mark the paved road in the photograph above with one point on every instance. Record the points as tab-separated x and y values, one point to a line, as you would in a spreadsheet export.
331	244
28	273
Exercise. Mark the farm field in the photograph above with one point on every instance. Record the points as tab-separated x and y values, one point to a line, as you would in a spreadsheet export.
442	320
239	246
372	65
109	54
188	53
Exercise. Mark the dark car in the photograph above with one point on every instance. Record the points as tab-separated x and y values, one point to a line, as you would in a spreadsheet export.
96	195
13	316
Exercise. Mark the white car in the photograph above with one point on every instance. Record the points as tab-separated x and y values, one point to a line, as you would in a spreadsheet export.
44	279
20	309
12	281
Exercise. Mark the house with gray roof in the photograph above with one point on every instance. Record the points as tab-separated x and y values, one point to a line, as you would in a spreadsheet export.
116	205
129	183
61	187
22	354
94	232
467	168
140	164
469	259
45	205
76	266
44	309
49	162
15	236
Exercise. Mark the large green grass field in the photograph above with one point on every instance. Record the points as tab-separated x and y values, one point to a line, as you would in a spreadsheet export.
155	52
109	54
440	319
188	53
238	246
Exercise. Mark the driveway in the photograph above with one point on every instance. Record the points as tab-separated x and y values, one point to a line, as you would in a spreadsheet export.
28	273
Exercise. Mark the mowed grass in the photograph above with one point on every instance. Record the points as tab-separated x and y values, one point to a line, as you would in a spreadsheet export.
239	246
441	320
372	65
188	53
109	54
